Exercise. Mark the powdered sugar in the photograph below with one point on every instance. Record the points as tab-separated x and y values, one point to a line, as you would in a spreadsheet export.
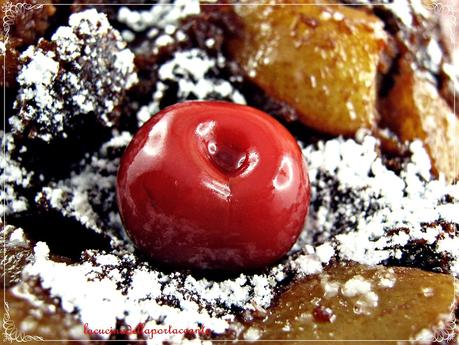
388	279
17	236
120	285
361	210
191	72
163	15
325	252
41	72
358	196
160	23
357	201
92	289
104	287
357	285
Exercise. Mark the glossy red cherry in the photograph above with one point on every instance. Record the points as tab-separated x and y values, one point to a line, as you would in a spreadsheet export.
213	185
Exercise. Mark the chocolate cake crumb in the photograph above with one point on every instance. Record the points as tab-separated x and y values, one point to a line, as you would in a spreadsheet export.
84	70
366	206
14	179
358	204
27	21
190	74
88	195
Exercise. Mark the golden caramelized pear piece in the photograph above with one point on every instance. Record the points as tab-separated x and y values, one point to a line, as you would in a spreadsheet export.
321	60
31	315
415	110
355	302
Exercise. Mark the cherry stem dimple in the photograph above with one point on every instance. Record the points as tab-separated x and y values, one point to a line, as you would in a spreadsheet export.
226	158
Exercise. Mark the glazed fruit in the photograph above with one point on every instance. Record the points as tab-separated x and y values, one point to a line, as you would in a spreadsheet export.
415	110
213	185
356	302
321	60
42	318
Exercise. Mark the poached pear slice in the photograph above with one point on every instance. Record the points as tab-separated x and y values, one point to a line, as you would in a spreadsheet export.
414	109
356	302
321	60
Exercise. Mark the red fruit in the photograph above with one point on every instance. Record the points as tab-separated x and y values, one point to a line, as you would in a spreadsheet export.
213	185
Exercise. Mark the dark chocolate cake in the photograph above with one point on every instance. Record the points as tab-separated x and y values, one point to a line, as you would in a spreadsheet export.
378	256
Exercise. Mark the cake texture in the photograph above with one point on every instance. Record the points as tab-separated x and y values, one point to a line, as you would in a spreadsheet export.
384	204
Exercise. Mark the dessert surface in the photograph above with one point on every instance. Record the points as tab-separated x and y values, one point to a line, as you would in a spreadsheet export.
372	109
